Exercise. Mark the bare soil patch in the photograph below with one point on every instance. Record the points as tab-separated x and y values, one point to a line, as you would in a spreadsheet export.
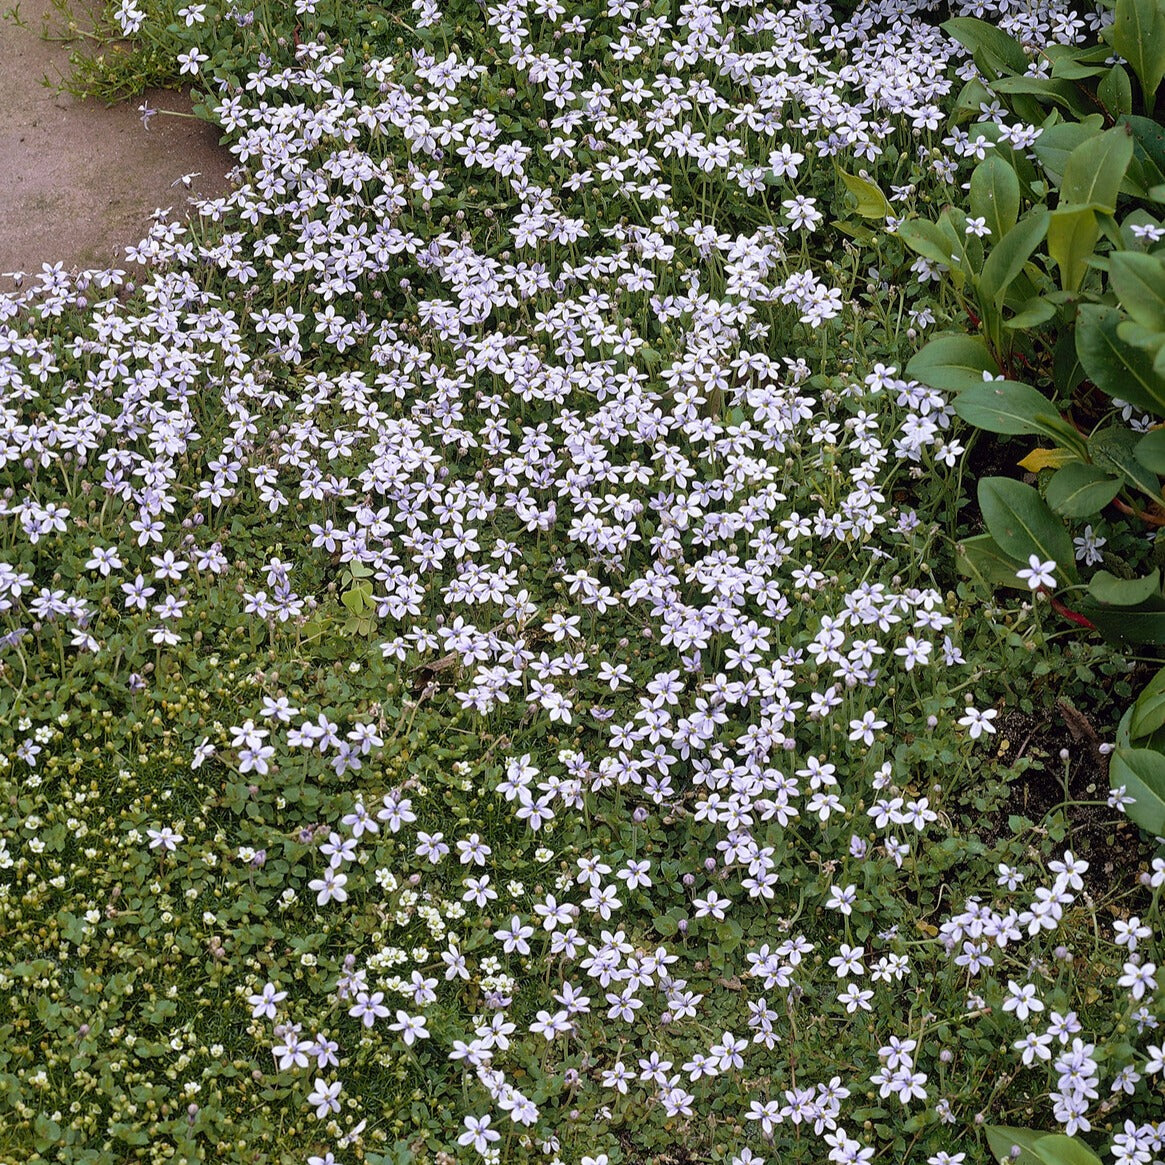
79	180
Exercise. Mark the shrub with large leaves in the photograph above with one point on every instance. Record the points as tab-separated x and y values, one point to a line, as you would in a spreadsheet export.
1057	264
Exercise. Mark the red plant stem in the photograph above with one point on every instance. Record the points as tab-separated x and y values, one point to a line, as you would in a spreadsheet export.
1145	517
1074	616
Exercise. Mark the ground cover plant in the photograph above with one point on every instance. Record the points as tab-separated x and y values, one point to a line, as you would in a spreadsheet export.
485	671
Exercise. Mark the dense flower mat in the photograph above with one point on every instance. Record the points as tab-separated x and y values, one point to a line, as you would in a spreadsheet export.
483	670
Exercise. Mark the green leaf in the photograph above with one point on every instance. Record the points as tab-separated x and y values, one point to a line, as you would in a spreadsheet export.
1148	148
665	925
1075	63
953	362
1142	773
1011	253
1116	368
1031	314
1095	169
928	239
1052	90
1115	92
400	1154
995	195
1125	626
47	1132
1013	408
1147	339
1139	283
1148	713
357	598
967	249
981	558
1057	1149
1138	34
1055	145
972	97
1067	371
1115	449
729	934
1080	491
994	51
872	203
1001	1139
1123	592
1150	451
1072	235
1022	523
855	230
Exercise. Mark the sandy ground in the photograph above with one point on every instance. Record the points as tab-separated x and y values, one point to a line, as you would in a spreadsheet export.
78	179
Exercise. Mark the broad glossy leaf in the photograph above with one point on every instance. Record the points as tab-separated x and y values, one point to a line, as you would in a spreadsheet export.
1148	713
1148	148
1075	63
1147	339
872	203
1067	371
1138	34
1051	90
1057	1149
1001	1138
1031	314
1125	626
982	559
1095	169
925	237
1121	736
1115	91
1072	235
995	195
1009	255
1023	524
1054	146
989	45
1150	451
1142	773
1124	592
967	248
1081	491
1116	368
1115	449
1139	282
952	362
972	97
854	229
1013	408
